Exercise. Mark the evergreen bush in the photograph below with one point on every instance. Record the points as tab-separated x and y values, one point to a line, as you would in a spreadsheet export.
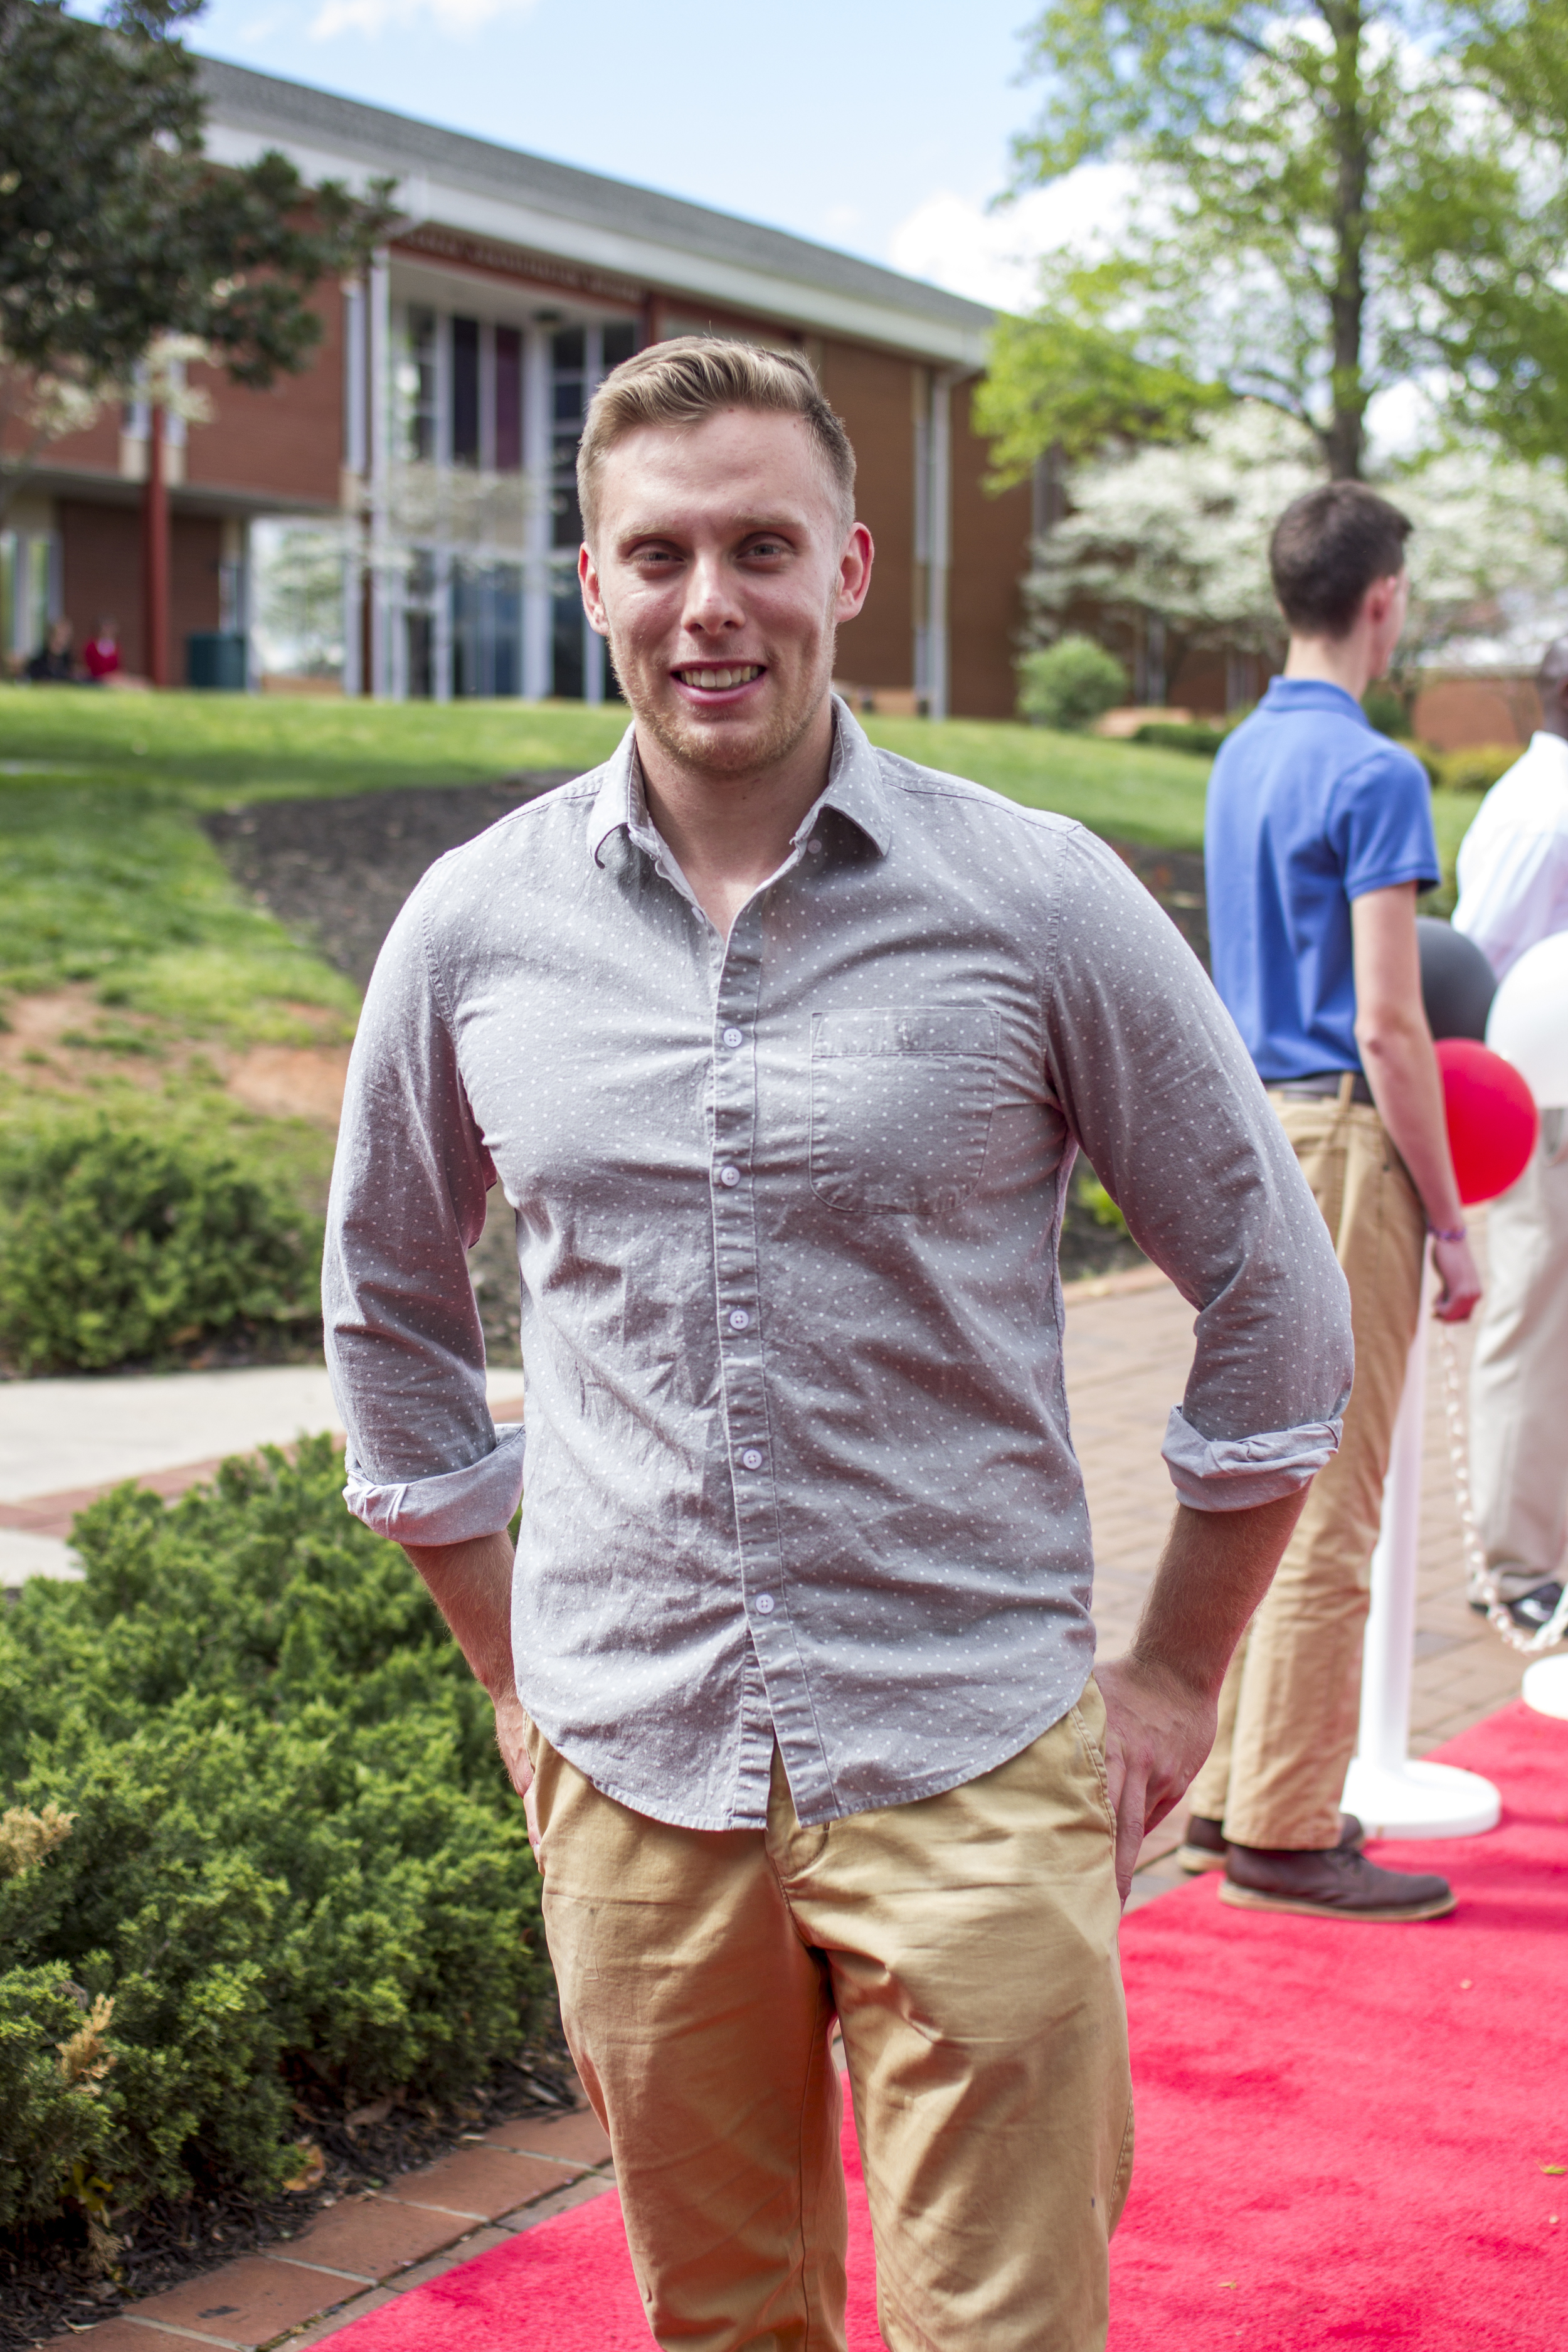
1476	769
257	1838
1196	735
1069	684
119	1244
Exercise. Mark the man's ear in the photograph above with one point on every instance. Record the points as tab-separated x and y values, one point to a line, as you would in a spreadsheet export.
592	600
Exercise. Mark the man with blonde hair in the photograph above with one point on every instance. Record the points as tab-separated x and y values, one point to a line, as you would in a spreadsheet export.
782	1049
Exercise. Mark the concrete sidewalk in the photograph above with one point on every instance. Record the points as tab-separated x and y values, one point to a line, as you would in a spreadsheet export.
64	1442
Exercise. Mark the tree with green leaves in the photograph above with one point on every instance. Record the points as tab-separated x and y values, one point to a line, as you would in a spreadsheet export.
117	232
1331	198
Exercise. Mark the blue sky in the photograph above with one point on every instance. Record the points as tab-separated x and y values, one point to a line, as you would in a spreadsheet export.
880	126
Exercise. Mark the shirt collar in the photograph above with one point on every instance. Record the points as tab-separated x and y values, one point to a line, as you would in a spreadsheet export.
855	789
1313	694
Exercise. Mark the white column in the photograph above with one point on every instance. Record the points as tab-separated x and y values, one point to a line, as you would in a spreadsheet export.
939	503
536	521
379	585
1392	1793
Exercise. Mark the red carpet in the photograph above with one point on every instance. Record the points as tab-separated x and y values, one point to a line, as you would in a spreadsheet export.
1341	2131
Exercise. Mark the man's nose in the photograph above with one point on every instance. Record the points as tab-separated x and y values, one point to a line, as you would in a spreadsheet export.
711	605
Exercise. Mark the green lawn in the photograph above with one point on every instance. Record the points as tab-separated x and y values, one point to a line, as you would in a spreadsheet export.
214	747
108	877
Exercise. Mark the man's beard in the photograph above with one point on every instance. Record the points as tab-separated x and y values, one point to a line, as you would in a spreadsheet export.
726	750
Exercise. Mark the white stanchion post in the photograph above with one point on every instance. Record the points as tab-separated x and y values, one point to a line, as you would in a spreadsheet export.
1546	1687
1392	1793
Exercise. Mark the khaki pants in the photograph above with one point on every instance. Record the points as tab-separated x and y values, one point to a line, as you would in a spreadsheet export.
967	1942
1518	1377
1288	1708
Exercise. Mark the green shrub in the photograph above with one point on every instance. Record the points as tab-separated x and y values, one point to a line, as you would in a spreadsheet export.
118	1245
1474	770
1093	1196
295	1859
1386	709
1198	735
52	2060
1069	684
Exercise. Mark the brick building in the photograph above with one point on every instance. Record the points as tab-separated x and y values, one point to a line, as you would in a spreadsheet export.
435	431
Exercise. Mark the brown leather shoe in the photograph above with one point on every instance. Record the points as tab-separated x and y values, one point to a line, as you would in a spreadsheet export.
1338	1884
1206	1848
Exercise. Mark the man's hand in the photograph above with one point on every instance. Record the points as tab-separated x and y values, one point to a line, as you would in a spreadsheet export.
511	1726
1161	1700
470	1584
1158	1732
1461	1283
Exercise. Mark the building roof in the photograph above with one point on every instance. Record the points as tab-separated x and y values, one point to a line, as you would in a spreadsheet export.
448	178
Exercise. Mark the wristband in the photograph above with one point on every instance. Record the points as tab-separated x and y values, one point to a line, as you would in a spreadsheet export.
1447	1233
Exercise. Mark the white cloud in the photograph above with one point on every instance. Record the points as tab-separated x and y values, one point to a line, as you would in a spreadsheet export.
374	17
991	257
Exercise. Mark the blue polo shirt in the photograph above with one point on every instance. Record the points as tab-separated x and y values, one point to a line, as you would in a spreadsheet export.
1308	807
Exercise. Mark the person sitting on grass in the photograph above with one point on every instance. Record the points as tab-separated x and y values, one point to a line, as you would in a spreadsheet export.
100	654
782	1049
55	664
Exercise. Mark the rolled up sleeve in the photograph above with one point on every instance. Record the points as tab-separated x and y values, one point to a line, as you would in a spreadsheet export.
1160	1092
405	1347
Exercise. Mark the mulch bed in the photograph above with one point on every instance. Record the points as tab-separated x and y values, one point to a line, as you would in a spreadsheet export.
337	872
50	2286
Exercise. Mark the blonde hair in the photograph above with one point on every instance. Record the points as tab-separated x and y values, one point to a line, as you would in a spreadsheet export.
694	376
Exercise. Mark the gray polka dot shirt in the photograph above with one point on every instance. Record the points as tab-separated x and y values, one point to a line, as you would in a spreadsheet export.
798	1458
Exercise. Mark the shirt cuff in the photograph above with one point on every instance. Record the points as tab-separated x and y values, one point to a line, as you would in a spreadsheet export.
1234	1473
450	1508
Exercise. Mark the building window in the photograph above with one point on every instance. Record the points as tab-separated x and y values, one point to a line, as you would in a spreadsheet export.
479	588
568	406
465	391
509	400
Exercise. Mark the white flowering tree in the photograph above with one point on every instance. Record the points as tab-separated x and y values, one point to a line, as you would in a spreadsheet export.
1180	535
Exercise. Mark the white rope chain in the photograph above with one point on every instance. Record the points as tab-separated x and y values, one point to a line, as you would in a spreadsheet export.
1482	1583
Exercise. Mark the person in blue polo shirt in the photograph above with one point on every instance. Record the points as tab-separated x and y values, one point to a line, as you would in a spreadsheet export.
1318	837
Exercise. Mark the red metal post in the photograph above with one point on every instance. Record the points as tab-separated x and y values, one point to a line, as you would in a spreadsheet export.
156	553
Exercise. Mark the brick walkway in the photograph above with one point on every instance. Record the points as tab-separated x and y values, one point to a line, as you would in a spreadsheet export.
352	2256
1128	1346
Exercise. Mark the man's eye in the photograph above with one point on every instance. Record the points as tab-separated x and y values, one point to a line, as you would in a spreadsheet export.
767	547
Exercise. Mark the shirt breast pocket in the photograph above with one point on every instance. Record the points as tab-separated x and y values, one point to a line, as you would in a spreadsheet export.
900	1108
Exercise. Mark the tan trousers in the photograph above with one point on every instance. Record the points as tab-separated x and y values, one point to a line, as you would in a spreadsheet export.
1288	1708
1518	1377
968	1946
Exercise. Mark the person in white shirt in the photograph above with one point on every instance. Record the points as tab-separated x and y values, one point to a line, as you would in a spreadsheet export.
1513	891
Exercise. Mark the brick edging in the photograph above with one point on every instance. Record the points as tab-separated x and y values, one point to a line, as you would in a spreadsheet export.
351	2256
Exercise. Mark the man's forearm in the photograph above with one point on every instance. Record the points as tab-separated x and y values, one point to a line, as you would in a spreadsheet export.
470	1584
1402	1072
1215	1567
1162	1699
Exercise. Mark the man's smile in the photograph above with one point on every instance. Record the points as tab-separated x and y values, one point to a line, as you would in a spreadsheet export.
711	678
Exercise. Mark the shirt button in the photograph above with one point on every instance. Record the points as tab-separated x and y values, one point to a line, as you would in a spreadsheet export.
765	1604
728	1177
739	1319
751	1459
733	1037
813	847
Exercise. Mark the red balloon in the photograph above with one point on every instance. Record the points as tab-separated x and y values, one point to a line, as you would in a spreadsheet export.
1491	1114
